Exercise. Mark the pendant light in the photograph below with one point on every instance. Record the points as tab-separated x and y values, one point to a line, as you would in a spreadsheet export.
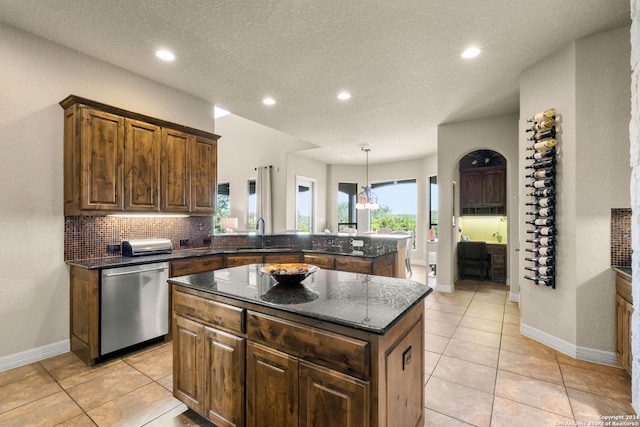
367	199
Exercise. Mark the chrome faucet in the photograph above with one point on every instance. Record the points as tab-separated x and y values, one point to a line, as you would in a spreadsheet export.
261	226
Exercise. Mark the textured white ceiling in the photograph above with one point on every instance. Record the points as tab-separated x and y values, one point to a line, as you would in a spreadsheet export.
399	59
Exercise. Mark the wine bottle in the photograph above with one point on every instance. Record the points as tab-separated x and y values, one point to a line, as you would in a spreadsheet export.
542	241
543	202
541	250
543	134
541	270
546	123
542	144
541	260
542	154
542	192
542	221
543	231
541	173
544	212
542	164
548	182
541	280
546	114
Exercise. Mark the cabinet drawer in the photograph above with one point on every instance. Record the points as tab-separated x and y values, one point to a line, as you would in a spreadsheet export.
344	354
196	265
281	258
322	261
210	312
623	288
237	260
354	265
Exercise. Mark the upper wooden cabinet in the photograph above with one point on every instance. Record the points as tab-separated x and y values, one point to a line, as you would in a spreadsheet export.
483	191
119	161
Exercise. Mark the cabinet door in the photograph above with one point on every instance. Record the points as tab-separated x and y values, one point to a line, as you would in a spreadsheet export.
494	187
329	398
188	375
176	171
193	265
471	189
224	363
142	166
203	176
102	146
272	387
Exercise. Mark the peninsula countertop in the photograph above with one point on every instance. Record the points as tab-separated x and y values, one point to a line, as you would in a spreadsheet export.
366	302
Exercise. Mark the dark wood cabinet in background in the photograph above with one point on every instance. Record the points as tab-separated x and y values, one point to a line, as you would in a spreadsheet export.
498	253
483	191
120	161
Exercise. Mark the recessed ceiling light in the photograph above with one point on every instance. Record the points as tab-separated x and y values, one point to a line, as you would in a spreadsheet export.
344	96
165	55
268	101
472	52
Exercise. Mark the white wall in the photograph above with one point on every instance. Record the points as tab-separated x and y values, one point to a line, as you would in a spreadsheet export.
588	83
243	146
455	140
34	76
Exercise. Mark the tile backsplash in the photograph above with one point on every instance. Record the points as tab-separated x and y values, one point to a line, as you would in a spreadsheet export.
621	237
88	236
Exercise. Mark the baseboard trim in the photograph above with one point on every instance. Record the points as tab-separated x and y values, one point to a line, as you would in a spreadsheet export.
444	288
577	352
513	297
33	355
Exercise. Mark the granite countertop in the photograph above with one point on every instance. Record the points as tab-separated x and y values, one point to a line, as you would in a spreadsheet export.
370	303
123	261
626	271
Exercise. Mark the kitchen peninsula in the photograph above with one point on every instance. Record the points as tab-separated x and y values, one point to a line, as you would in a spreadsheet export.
339	349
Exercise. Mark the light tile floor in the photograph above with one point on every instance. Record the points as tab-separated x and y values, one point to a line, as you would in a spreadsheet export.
479	371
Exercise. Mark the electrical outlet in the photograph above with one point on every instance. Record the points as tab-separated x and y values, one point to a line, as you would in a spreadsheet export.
184	242
357	243
113	248
330	241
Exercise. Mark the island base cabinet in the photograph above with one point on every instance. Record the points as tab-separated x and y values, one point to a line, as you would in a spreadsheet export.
208	371
187	362
272	387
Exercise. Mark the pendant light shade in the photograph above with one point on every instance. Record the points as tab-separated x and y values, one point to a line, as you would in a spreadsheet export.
367	199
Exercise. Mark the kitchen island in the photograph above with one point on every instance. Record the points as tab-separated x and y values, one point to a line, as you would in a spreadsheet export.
339	349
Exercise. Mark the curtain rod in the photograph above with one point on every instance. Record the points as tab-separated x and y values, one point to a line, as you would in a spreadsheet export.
255	169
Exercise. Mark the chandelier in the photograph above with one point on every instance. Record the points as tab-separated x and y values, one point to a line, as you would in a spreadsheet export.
367	199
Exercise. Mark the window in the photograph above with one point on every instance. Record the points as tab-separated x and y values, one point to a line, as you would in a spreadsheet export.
223	206
433	205
398	205
305	204
251	211
347	216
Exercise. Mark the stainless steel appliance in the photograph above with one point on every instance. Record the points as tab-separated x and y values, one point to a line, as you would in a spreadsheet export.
134	305
146	247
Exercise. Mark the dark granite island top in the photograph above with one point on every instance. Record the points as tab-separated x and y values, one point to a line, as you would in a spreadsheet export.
366	302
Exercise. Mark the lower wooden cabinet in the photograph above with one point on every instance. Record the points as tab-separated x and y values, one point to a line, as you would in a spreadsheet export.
238	260
321	260
272	387
624	310
205	356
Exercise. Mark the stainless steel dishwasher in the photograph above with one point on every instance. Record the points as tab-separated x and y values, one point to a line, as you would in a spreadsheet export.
134	305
